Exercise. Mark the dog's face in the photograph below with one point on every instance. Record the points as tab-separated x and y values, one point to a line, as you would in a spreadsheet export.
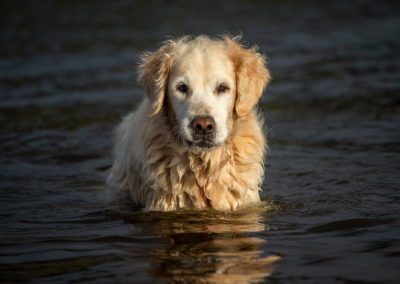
202	91
206	84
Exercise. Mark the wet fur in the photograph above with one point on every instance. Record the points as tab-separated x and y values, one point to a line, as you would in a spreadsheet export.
160	171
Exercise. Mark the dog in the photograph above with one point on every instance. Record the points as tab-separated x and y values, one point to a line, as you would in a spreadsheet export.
196	140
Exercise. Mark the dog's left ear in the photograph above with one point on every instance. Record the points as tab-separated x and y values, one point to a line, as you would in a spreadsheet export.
154	72
251	76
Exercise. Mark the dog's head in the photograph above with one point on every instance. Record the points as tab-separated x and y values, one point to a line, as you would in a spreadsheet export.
206	84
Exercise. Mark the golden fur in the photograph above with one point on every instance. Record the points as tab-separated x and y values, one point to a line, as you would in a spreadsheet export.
159	170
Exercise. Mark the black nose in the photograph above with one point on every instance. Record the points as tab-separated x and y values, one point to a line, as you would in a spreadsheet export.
203	125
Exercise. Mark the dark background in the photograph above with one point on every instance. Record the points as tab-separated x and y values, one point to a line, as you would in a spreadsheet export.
68	74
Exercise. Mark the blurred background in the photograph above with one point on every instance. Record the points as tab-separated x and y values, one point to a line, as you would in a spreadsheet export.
331	189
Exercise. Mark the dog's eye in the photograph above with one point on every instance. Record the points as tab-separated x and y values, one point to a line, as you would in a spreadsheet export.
222	88
182	88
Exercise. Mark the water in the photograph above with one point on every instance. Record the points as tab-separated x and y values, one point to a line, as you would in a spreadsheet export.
331	192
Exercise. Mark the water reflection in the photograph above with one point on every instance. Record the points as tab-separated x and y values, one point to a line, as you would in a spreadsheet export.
209	247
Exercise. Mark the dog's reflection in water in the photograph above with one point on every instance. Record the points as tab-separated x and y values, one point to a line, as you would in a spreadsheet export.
211	248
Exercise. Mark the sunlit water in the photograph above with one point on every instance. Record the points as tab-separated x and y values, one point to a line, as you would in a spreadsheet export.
331	192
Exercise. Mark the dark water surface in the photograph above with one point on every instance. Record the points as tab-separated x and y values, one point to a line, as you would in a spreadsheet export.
331	192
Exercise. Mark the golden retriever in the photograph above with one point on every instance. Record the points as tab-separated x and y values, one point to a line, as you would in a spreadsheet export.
196	140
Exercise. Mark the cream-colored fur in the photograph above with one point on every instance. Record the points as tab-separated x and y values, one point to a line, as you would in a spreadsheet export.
153	158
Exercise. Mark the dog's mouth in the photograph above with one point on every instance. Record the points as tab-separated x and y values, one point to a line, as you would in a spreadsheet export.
201	145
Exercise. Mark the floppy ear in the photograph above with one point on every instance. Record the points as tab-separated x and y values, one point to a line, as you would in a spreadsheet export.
251	76
153	74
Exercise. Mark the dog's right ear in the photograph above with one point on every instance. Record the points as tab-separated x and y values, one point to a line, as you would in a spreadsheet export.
154	72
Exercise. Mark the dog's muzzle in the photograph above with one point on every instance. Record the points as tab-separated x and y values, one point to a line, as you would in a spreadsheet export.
203	133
